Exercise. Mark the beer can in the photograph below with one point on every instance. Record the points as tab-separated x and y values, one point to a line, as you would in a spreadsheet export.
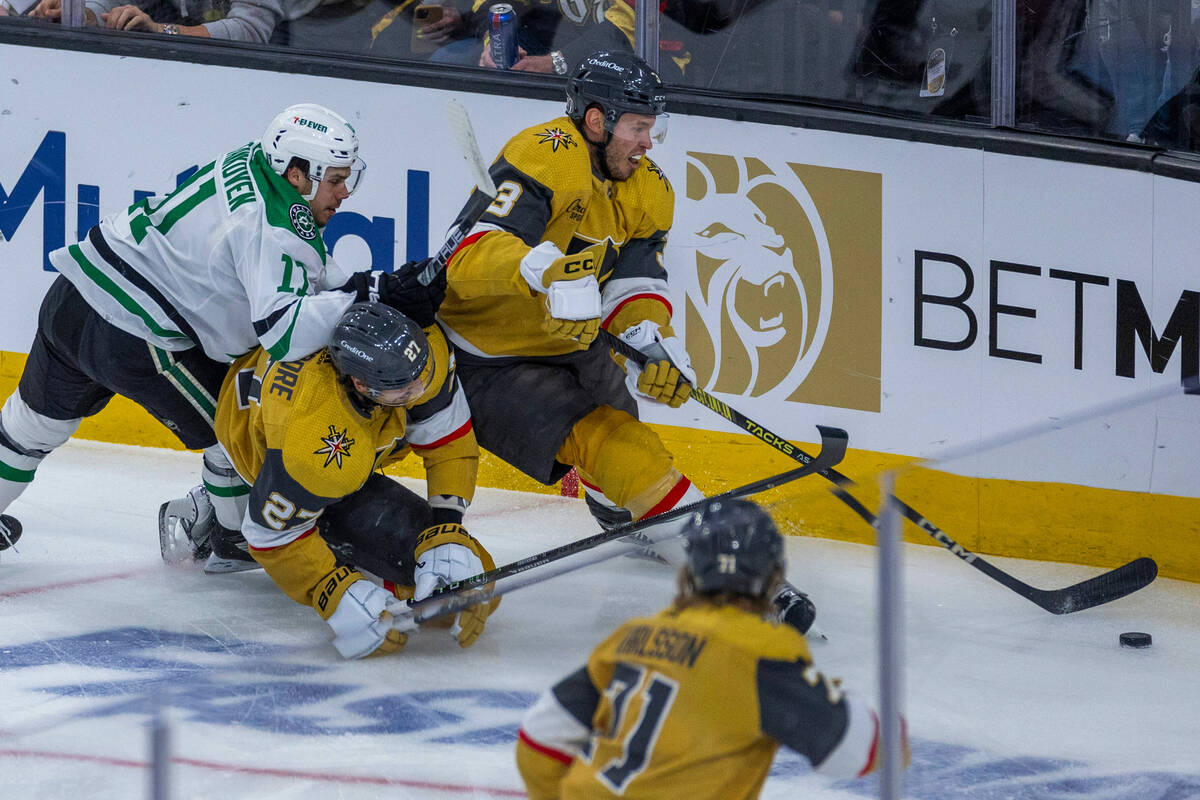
503	37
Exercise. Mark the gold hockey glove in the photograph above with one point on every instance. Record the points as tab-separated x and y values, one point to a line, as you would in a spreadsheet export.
445	554
571	286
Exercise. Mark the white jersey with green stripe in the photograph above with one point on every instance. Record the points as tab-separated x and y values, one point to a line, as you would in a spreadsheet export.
230	260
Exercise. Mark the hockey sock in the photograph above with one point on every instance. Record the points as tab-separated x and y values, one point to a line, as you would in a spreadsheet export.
620	456
26	437
228	492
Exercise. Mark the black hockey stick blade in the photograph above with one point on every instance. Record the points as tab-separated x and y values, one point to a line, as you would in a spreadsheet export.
1103	588
472	591
1112	585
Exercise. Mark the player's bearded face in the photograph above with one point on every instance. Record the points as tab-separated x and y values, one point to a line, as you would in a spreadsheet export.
632	137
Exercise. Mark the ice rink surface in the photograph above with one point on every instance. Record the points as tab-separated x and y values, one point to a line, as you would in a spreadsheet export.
1004	701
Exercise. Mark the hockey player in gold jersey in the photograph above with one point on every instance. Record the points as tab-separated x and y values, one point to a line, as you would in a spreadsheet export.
694	701
309	435
573	242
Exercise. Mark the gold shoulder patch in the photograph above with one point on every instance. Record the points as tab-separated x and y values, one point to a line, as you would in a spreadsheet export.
556	137
648	190
555	155
335	446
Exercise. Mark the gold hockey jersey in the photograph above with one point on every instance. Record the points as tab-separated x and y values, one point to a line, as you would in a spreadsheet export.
690	703
547	192
293	433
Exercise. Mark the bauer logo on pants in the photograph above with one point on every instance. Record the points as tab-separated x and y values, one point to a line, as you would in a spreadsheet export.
784	302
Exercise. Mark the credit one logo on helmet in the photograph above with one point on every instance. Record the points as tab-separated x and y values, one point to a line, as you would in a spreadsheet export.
786	300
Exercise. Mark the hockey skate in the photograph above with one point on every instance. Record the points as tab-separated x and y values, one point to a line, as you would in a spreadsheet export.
610	517
230	553
10	531
793	607
184	527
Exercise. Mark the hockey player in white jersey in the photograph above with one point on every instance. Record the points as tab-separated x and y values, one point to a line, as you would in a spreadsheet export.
159	298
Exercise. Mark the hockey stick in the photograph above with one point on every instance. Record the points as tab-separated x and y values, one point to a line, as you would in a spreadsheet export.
1103	588
456	596
479	200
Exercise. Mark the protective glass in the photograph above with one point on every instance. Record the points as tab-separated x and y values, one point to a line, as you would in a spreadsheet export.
641	129
402	396
352	181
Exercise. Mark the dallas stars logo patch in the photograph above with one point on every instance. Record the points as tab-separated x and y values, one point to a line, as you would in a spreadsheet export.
337	447
303	222
556	137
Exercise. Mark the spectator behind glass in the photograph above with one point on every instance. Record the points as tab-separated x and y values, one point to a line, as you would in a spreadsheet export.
930	57
373	27
237	20
552	37
1129	44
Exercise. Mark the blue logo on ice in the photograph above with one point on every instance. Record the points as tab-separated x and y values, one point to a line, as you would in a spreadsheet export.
253	684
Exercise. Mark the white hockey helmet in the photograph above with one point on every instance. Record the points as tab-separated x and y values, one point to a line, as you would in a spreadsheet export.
317	135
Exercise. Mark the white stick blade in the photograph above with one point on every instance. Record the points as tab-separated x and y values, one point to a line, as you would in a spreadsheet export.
460	124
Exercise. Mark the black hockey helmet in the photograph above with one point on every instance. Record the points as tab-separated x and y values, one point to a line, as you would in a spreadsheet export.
380	346
732	546
619	82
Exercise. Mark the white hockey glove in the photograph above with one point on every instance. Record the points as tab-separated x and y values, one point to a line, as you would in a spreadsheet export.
447	553
668	375
360	624
571	288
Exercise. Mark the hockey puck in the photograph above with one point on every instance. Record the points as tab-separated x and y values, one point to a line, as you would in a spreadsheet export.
1135	639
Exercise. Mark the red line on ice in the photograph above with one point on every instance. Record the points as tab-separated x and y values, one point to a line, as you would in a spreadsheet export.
266	771
72	583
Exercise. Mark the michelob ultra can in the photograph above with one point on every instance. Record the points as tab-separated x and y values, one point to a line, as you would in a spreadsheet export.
503	36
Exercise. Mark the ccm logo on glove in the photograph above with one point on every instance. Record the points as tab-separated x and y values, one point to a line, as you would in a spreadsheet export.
586	264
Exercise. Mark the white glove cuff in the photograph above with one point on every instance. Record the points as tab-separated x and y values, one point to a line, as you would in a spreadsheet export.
641	335
355	622
647	337
678	356
536	262
578	299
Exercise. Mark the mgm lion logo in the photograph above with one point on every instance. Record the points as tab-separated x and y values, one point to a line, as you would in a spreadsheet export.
786	301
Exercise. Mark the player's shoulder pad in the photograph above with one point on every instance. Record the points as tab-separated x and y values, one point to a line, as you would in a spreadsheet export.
553	153
763	638
651	190
326	446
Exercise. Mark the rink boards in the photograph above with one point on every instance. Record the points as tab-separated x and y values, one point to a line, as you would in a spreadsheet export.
922	297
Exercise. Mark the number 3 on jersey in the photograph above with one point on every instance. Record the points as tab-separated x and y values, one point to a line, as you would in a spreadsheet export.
507	195
637	736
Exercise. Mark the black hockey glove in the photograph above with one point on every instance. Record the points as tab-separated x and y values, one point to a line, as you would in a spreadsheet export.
401	290
792	607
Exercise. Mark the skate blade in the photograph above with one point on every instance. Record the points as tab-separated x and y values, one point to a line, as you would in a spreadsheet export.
215	565
646	554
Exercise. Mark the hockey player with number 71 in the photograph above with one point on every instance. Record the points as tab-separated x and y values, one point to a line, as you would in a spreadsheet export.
695	700
160	297
574	242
